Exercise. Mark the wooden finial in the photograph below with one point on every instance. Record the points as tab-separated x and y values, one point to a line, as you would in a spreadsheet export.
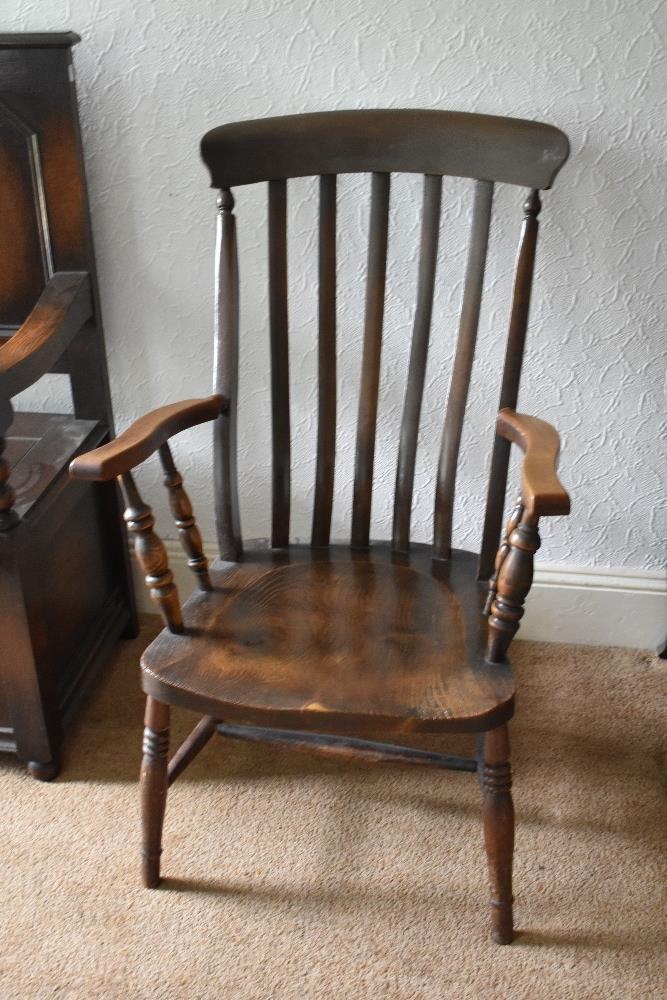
181	510
151	554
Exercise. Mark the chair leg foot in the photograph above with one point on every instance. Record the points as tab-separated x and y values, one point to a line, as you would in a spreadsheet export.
153	787
496	777
43	770
150	870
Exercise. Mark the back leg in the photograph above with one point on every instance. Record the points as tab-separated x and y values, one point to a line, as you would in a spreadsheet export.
153	788
496	781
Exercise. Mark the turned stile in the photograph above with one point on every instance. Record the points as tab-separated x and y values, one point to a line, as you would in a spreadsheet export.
509	389
226	365
515	575
181	509
151	554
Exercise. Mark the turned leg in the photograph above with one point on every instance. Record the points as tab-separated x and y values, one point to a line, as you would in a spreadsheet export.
496	775
153	784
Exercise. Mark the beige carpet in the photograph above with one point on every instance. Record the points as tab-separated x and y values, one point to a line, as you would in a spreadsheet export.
291	877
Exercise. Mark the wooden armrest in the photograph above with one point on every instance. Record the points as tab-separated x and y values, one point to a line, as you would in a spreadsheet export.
145	436
60	312
541	490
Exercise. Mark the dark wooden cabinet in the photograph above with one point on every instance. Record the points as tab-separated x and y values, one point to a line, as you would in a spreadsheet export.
65	588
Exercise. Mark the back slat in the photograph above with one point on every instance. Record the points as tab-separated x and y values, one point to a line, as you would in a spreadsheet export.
509	391
414	392
370	374
226	366
279	362
463	361
326	426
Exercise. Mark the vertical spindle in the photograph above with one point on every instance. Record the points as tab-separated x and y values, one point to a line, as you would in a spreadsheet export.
370	368
326	365
414	393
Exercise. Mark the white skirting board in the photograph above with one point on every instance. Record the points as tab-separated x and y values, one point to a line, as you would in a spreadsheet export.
585	606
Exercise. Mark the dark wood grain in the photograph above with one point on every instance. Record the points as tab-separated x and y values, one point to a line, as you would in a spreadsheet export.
65	584
503	552
345	747
463	361
144	437
153	784
38	39
8	517
370	365
314	647
509	389
39	448
407	450
226	375
512	583
541	490
151	555
181	510
326	365
280	418
384	141
191	746
60	312
496	782
336	641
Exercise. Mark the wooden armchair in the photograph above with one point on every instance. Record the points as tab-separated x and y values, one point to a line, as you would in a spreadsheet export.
315	646
65	587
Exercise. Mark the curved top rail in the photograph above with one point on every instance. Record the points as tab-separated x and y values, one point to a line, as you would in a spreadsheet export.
460	144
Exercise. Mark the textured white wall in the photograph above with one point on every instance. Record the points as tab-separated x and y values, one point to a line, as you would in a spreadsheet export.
153	75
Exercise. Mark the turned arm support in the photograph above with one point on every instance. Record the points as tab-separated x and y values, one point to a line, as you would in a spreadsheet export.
145	436
541	494
149	434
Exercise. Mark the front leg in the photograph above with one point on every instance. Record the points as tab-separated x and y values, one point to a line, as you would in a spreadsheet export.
515	575
496	781
153	785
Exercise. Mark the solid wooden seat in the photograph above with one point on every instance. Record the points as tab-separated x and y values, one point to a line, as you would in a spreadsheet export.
333	640
314	647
